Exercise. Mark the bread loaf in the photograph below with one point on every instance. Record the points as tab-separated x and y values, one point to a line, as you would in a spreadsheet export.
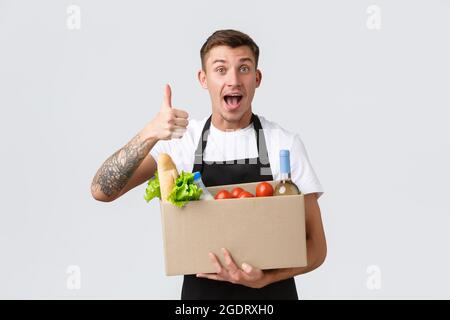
168	173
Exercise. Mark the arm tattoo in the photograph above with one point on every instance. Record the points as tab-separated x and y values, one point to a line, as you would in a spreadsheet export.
115	172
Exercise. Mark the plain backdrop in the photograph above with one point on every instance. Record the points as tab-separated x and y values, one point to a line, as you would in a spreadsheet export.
371	105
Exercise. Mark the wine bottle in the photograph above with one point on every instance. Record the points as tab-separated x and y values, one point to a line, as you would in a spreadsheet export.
285	186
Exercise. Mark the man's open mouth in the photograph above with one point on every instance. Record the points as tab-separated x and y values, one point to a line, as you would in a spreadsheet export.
233	100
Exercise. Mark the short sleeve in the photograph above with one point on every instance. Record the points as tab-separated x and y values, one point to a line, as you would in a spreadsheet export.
162	146
302	172
180	150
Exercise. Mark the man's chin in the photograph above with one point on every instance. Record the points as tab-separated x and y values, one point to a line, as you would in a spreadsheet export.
233	115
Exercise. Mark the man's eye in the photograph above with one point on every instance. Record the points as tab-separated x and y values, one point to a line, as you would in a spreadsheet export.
245	69
220	69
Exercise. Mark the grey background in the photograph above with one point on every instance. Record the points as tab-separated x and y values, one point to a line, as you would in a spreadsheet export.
370	105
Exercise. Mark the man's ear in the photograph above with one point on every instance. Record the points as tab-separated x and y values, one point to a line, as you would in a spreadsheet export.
202	79
258	77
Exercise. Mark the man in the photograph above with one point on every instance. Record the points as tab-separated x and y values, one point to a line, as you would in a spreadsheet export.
226	150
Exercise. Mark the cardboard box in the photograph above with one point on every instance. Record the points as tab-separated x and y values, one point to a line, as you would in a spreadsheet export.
266	232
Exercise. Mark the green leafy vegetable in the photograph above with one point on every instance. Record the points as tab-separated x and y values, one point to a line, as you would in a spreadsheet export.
153	189
184	190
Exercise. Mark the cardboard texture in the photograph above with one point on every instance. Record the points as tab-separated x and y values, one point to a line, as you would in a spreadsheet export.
266	232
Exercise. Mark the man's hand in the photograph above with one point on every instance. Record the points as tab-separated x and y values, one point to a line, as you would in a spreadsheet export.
247	275
123	171
169	123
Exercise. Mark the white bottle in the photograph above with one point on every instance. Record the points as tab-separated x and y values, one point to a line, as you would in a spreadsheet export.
198	181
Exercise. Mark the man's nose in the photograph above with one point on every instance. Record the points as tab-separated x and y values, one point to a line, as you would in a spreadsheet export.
233	78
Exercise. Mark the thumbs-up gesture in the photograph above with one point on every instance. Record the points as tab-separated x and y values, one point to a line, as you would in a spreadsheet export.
169	123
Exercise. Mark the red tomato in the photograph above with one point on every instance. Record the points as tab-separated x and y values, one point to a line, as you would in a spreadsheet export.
236	192
223	194
264	189
245	194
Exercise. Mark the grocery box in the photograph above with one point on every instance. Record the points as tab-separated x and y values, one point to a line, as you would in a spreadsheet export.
266	232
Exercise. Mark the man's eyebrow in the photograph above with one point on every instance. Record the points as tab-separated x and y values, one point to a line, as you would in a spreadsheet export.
246	59
219	60
240	60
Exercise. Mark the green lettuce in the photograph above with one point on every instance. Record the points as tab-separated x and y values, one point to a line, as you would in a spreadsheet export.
153	189
184	190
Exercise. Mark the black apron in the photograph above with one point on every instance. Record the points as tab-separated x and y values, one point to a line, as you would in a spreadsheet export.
240	171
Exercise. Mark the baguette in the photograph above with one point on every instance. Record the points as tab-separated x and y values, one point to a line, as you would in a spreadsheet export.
168	173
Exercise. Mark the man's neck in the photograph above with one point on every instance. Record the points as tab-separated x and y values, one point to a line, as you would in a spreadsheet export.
224	125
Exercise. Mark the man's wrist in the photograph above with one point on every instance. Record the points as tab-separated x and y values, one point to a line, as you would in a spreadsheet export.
275	275
269	277
147	134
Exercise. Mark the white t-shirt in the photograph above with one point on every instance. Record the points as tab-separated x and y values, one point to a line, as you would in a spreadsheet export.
241	144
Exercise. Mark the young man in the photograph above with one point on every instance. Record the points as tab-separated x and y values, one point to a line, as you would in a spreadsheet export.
226	150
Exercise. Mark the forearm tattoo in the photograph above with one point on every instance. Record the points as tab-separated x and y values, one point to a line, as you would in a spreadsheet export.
115	172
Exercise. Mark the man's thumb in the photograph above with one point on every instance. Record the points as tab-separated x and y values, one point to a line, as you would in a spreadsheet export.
167	96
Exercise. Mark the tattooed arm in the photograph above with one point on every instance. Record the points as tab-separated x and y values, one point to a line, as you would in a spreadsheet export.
121	169
132	165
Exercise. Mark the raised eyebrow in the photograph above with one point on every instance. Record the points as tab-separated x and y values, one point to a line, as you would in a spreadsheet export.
218	61
246	59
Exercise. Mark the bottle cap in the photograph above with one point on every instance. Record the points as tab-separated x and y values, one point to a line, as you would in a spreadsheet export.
197	175
284	153
285	163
